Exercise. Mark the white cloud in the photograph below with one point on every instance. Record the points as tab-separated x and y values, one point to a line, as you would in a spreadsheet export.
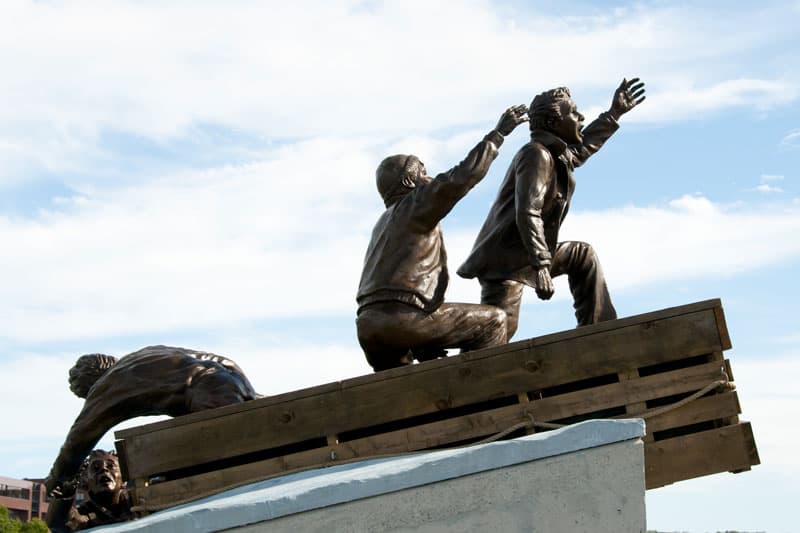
766	188
767	392
283	236
681	101
196	248
690	238
203	249
306	69
791	139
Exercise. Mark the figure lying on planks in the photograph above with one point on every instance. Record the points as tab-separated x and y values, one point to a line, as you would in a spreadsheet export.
157	380
401	309
108	501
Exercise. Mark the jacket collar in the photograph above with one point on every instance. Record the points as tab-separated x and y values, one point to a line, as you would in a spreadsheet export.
553	143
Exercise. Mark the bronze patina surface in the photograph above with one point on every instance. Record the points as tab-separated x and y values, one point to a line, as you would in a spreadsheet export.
518	243
157	380
108	500
401	310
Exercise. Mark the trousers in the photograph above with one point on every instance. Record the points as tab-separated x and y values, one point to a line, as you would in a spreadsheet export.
579	262
392	334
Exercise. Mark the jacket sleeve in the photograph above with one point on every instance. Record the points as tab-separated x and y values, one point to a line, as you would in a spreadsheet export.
95	419
434	200
534	169
594	136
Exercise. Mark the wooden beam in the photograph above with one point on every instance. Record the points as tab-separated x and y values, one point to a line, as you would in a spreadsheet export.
418	390
725	449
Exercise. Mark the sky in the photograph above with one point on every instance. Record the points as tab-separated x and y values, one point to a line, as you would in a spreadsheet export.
201	174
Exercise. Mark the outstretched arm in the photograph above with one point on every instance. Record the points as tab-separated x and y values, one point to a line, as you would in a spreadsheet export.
97	417
434	200
628	95
60	508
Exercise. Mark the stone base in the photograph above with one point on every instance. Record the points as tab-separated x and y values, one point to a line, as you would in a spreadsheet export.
586	477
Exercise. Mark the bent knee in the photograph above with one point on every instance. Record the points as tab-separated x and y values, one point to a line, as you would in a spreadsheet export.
583	247
497	316
585	254
496	321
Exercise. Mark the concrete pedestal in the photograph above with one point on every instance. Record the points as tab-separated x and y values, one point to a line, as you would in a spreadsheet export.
586	477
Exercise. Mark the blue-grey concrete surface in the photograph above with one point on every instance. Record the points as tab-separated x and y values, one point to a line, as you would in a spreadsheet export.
314	489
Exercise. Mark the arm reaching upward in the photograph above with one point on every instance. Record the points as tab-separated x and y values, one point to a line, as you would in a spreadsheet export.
435	199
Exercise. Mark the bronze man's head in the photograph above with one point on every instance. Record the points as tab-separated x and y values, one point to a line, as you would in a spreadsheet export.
101	477
87	370
397	175
554	111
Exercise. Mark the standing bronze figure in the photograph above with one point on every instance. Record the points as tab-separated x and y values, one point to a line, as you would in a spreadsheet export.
518	243
157	380
401	309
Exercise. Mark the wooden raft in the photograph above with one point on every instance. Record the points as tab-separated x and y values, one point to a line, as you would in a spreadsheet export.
638	365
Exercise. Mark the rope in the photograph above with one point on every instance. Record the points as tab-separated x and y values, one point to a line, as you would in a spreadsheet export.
717	384
531	423
720	383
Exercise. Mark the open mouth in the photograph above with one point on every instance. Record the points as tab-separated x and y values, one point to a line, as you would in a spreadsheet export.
105	479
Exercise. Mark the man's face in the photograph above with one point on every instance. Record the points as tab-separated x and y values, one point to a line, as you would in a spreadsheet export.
103	475
571	123
416	169
76	383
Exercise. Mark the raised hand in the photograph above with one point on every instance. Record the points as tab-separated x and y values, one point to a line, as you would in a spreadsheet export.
511	118
628	95
62	490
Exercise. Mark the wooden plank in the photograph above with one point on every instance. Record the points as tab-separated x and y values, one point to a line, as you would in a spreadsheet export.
633	407
593	329
725	449
722	327
528	344
413	439
666	384
123	458
392	443
548	409
718	406
729	371
454	382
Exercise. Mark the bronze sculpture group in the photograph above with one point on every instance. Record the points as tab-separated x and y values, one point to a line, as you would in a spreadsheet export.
157	380
401	311
402	315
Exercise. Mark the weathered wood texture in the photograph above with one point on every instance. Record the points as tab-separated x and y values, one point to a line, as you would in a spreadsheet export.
629	367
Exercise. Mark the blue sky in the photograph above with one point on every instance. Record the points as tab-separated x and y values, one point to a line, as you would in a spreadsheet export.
202	175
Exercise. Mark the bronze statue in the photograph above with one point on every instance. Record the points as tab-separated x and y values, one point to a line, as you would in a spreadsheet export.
518	243
108	501
157	380
401	309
